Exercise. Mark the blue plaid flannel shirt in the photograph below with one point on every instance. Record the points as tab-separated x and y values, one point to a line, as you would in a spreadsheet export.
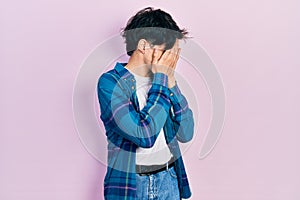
127	127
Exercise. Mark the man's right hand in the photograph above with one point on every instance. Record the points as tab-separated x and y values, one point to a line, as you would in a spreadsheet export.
165	62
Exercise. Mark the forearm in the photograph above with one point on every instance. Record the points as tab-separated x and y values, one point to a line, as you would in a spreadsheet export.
119	115
182	115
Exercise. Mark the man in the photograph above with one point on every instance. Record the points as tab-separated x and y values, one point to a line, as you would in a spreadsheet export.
145	114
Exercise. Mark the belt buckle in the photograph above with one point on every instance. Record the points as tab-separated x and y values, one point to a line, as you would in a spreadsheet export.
167	166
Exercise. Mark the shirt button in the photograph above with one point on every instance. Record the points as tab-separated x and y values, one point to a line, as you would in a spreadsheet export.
132	87
171	94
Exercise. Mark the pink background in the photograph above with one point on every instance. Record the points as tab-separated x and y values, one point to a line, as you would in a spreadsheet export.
254	44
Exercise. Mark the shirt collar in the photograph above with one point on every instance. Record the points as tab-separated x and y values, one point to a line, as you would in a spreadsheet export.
122	71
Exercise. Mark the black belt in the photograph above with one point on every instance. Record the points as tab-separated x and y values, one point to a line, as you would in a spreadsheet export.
152	169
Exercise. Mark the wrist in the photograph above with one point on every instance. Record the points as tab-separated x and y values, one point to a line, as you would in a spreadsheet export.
171	82
160	79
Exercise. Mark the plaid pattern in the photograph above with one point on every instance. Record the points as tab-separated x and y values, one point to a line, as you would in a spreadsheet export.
127	127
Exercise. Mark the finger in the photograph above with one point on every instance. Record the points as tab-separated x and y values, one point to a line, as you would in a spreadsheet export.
165	55
154	56
178	54
176	58
175	46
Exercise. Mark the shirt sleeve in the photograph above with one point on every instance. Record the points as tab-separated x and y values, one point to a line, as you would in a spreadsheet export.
119	115
182	115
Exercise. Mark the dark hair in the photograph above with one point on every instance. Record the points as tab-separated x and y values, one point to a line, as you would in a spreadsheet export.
155	26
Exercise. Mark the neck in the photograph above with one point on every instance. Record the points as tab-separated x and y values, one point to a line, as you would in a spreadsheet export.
138	66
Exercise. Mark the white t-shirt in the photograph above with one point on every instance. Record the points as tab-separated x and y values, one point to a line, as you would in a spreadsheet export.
159	153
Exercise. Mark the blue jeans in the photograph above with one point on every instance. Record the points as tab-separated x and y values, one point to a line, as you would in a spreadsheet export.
160	186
